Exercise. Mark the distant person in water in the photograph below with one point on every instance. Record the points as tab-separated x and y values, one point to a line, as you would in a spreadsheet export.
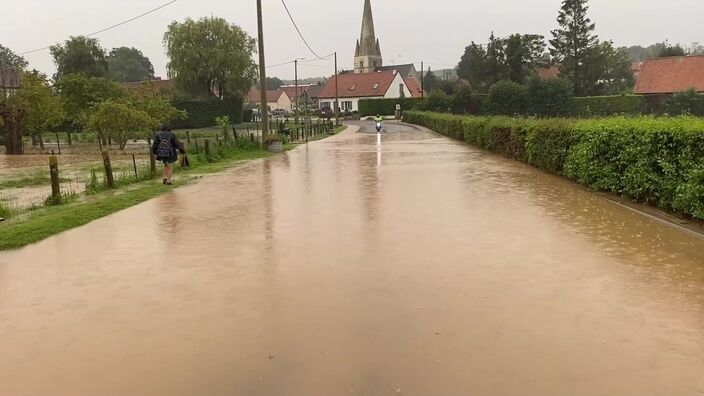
165	148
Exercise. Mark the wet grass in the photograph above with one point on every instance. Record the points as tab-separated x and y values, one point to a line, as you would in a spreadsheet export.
33	180
41	223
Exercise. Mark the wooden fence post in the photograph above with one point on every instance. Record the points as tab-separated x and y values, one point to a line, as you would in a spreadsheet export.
152	158
207	150
109	178
54	172
134	162
58	143
188	137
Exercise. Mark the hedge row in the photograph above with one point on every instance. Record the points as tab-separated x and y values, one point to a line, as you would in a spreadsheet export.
202	113
370	107
609	105
652	160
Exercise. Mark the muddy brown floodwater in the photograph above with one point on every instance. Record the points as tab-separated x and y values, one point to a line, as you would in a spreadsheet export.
417	267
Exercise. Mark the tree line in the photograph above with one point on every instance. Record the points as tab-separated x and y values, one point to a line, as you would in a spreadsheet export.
593	66
209	59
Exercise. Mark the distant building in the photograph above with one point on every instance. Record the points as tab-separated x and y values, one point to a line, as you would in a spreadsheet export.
549	73
10	81
351	88
162	87
276	99
367	55
307	96
666	76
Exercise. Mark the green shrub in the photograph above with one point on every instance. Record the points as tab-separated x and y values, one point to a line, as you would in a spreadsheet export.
609	105
437	101
689	102
550	98
652	160
202	113
461	101
5	212
507	98
370	107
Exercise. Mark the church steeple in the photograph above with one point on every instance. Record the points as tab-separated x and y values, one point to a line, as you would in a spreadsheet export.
367	55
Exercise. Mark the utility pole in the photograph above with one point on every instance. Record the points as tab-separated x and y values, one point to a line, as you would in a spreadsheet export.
337	99
295	62
422	80
264	112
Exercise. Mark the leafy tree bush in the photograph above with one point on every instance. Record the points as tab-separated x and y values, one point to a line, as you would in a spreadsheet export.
120	121
507	98
129	65
437	101
210	57
202	112
652	160
369	107
689	102
79	55
550	98
80	92
461	101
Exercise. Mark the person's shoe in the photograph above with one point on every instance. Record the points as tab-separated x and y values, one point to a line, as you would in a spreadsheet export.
168	182
165	181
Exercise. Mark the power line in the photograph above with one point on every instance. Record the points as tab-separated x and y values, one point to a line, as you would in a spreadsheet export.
113	26
299	30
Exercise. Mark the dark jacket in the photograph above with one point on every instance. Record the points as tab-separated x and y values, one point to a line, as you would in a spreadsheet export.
173	140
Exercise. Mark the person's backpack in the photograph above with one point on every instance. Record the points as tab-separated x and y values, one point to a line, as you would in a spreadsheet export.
164	150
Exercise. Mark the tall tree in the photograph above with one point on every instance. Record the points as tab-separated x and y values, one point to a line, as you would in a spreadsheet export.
609	70
666	49
10	59
573	43
472	67
430	81
42	105
211	57
80	55
273	83
129	65
524	54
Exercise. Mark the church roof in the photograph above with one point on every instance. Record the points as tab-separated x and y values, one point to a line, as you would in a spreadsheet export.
404	70
367	45
362	85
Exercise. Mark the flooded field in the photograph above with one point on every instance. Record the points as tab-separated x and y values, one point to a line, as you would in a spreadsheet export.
24	179
412	266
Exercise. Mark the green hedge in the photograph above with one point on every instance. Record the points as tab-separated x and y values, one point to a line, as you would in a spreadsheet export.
202	113
370	107
609	105
652	160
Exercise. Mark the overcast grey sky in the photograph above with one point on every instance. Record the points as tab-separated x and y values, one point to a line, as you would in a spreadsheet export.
409	30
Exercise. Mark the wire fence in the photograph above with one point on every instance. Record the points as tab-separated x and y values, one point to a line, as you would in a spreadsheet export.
30	187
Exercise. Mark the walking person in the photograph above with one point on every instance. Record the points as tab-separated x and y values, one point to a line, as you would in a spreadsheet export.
166	146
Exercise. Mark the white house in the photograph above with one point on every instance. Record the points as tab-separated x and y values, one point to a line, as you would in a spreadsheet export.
351	88
276	99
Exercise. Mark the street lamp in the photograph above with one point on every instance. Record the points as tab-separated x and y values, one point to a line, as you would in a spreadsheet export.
296	98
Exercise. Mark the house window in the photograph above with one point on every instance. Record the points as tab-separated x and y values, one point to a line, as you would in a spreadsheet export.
346	105
325	105
361	64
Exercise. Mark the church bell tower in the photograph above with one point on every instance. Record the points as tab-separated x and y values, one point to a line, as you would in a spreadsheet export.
367	56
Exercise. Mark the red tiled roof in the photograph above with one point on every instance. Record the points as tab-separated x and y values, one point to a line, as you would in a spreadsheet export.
10	78
413	86
254	96
549	73
359	85
671	75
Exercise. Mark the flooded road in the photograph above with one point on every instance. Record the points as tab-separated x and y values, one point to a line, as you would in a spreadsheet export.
418	267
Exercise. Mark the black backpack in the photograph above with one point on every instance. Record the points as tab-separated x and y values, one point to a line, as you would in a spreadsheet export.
164	150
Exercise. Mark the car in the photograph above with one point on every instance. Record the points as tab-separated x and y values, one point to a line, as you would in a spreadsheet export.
279	112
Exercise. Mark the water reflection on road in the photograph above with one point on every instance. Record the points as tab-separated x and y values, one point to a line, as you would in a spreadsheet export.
420	267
